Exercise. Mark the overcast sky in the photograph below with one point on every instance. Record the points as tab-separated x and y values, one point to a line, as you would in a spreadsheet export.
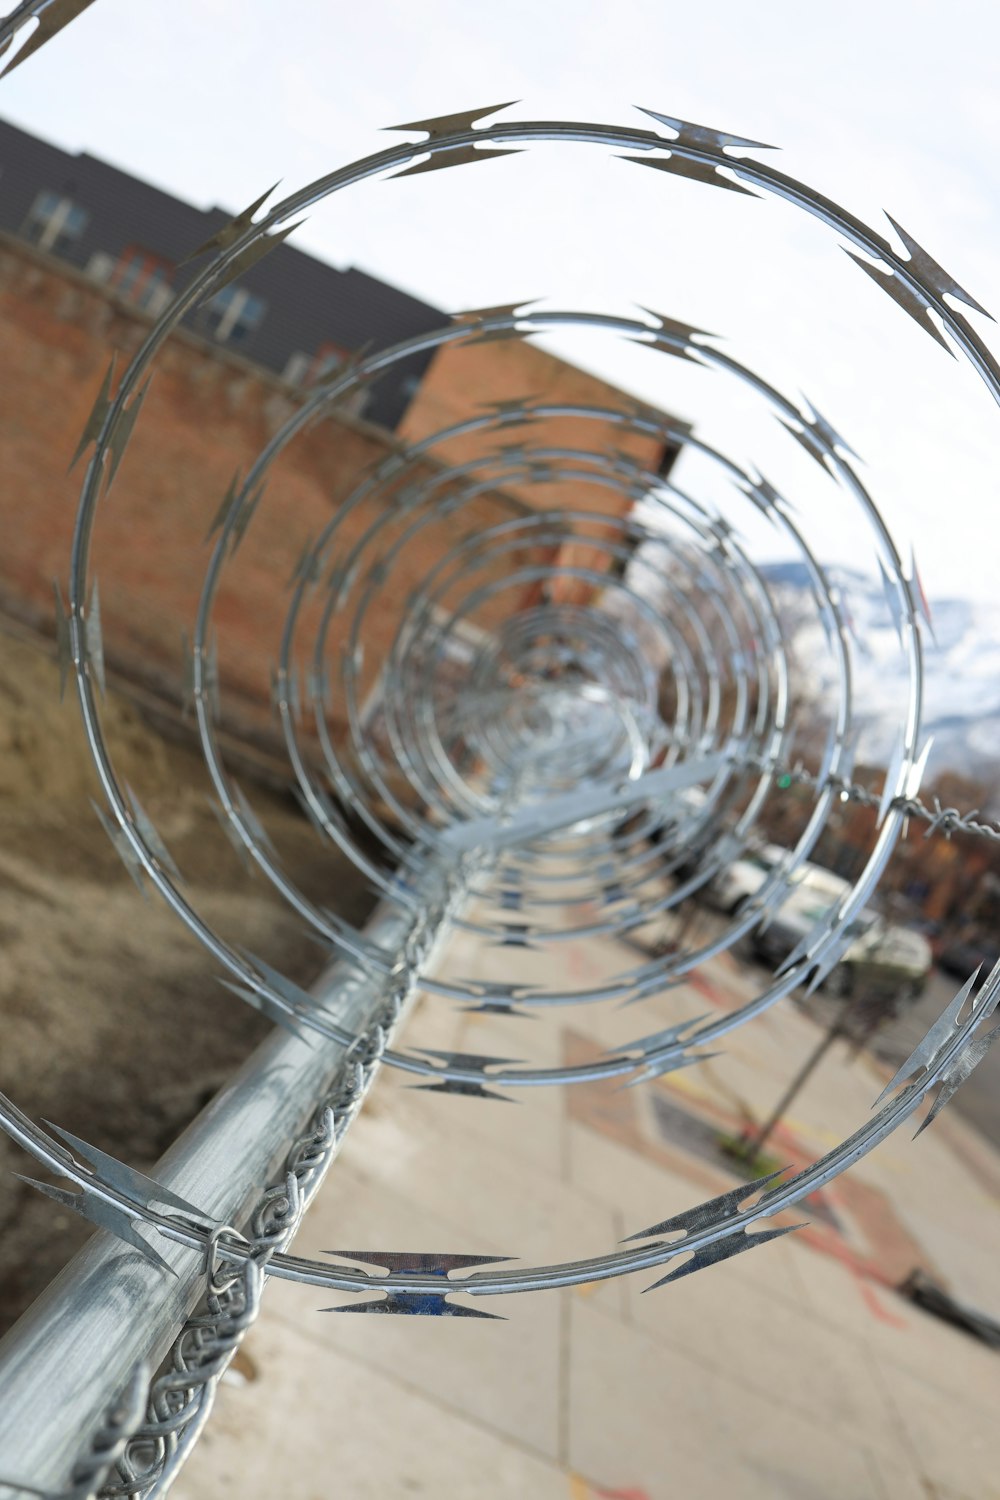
878	105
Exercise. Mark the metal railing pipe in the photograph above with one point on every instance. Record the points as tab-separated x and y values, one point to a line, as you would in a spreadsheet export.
71	1354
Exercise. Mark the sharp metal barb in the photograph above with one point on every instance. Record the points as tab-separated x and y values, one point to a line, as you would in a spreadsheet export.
931	275
453	124
64	641
499	1008
210	675
308	568
460	156
892	775
498	336
297	998
123	847
658	1067
627	463
827	433
712	1212
505	310
104	1215
229	829
94	640
230	232
350	367
314	817
98	415
516	935
469	1062
421	1304
466	1090
466	1062
133	1184
417	1263
723	1249
151	837
970	1057
811	440
806	947
673	327
917	770
892	600
696	171
513	453
900	293
229	501
671	336
919	597
766	498
245	506
497	990
56	15
254	252
122	432
513	413
318	686
660	1039
825	965
271	1009
702	136
415	1304
938	1036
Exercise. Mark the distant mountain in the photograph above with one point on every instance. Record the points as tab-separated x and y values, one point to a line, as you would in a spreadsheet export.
961	667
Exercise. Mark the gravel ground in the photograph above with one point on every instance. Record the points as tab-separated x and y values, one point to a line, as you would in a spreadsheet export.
112	1020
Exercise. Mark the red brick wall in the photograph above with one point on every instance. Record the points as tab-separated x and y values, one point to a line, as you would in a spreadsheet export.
207	414
463	378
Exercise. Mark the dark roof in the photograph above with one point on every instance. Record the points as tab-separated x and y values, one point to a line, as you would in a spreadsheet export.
309	303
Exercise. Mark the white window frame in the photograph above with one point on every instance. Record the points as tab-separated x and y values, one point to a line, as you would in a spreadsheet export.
56	221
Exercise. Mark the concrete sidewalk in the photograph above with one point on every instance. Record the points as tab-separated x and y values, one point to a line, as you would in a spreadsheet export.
793	1370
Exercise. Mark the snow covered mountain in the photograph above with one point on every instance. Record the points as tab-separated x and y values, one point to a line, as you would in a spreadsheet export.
961	667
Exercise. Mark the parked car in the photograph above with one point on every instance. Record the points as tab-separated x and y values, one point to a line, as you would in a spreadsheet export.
882	956
727	890
963	958
745	876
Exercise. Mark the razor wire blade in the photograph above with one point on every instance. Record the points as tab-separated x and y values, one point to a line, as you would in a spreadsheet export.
540	794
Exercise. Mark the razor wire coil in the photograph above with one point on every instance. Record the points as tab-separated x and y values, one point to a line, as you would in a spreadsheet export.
476	797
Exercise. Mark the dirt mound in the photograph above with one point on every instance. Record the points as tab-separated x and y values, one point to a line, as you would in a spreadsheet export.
112	1020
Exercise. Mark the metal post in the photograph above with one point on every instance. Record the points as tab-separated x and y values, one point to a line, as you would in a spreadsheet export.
73	1350
750	1147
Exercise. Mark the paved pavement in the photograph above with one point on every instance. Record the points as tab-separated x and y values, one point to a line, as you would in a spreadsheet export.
794	1370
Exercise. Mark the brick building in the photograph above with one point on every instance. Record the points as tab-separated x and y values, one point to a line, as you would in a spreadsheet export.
291	314
88	259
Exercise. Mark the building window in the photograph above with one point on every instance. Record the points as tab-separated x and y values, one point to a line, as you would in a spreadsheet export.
297	368
409	386
233	315
55	224
668	459
309	369
142	277
329	358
